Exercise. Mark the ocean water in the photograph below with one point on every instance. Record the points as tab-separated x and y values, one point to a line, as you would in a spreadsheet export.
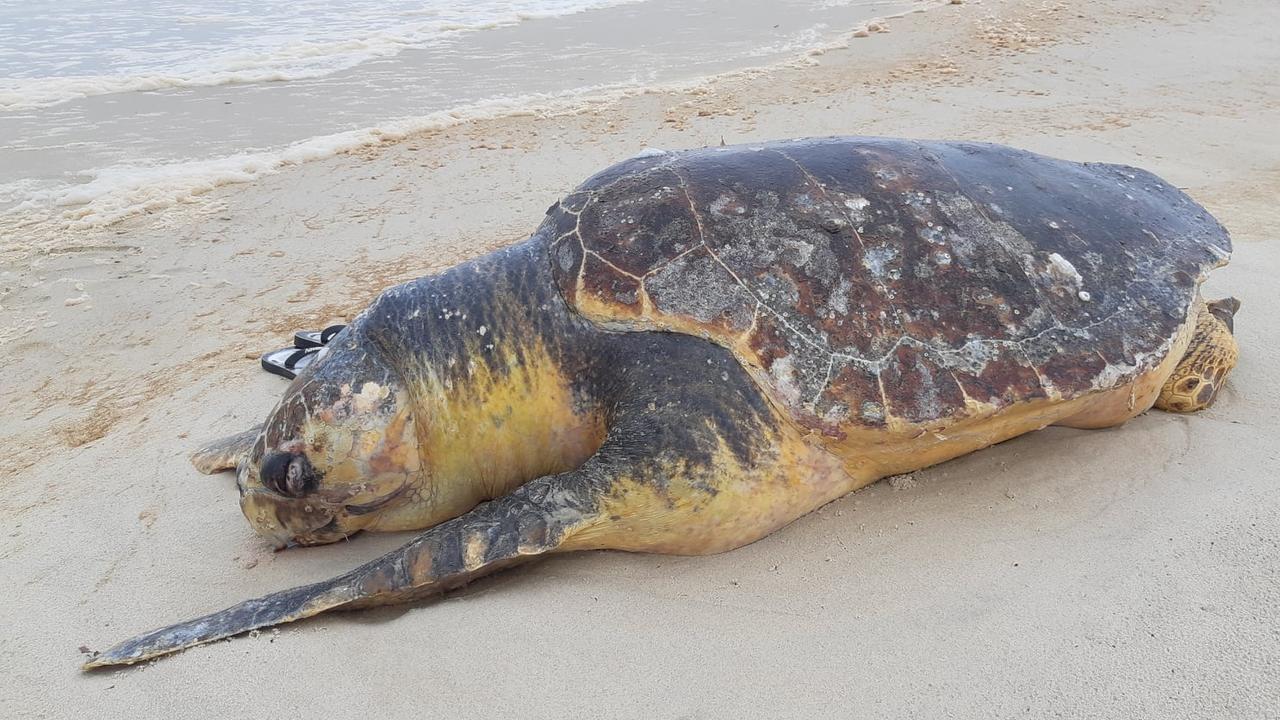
111	106
59	52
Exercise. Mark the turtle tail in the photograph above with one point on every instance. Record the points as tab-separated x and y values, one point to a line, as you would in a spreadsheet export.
533	520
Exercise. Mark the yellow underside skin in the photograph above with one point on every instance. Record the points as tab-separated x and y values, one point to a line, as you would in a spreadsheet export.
811	470
484	439
748	503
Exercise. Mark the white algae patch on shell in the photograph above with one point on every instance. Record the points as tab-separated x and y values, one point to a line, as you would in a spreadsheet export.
1064	268
870	282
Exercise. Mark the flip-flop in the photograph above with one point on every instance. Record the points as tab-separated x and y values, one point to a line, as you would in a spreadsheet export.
288	362
315	339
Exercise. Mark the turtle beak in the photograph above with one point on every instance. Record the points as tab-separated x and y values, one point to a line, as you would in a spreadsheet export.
282	520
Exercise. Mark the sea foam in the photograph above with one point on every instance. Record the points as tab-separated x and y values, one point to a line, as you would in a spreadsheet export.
83	49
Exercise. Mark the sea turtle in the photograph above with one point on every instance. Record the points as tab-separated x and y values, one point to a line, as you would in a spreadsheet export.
696	348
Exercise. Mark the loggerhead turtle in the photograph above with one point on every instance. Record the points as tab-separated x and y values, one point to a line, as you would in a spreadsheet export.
696	348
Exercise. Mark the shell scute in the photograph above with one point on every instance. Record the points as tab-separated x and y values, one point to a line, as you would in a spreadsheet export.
918	387
852	397
646	222
999	375
680	289
605	284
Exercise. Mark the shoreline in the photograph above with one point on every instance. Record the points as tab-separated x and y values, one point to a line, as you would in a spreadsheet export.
1122	573
259	129
280	63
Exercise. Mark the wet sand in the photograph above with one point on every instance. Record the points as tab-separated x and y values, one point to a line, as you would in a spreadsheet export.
1131	572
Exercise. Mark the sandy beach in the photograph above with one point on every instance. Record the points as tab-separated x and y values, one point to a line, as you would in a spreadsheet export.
1131	572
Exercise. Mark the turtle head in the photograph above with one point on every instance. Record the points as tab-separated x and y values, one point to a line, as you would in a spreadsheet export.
339	454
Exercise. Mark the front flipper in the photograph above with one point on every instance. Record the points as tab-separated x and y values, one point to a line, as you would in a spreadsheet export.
535	519
695	462
223	454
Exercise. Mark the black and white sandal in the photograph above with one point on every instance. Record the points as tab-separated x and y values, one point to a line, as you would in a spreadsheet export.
288	362
314	339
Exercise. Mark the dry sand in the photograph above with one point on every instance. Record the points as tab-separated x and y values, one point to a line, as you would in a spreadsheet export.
1132	572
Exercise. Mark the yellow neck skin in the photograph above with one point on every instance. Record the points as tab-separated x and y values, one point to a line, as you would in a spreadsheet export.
499	428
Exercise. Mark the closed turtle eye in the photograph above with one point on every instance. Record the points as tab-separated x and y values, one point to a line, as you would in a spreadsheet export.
289	474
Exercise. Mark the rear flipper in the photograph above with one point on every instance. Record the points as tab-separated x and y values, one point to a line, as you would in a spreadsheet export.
1211	355
535	519
223	454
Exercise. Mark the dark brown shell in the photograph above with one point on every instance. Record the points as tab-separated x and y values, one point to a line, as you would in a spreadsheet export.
867	280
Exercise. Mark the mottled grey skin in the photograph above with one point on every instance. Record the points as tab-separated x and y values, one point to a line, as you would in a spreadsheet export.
713	307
